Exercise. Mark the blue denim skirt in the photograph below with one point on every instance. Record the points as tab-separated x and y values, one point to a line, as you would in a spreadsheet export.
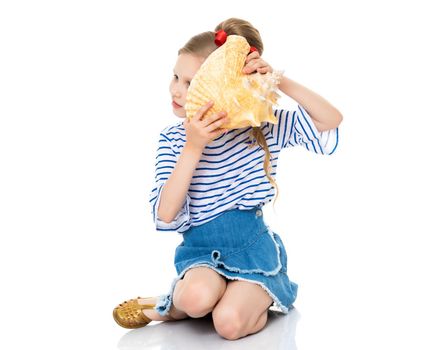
239	246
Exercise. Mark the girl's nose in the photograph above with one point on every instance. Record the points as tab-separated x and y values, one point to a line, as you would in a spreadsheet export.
175	91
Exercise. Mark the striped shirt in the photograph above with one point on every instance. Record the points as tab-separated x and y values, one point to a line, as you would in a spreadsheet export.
230	175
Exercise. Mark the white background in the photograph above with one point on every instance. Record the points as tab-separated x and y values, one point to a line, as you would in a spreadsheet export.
83	96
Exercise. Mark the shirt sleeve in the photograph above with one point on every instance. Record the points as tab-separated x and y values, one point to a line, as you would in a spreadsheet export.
297	128
165	163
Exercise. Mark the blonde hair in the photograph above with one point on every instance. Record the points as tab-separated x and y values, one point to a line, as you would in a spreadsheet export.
203	45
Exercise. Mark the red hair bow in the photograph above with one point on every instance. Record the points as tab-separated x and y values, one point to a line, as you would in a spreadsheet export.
220	37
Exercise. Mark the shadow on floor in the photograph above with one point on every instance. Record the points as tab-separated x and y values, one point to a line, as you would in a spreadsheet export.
199	333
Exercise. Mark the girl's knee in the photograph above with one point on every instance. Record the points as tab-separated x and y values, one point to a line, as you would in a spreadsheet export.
196	299
231	324
228	322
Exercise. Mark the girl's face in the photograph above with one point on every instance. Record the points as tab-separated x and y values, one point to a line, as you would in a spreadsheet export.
185	68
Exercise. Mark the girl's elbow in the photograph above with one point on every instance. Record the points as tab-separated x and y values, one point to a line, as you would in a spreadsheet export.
337	120
340	120
334	122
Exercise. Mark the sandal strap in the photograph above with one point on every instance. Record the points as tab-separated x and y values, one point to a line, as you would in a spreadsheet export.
129	314
143	306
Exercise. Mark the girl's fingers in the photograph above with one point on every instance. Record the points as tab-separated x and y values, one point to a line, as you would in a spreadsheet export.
207	121
259	64
252	56
264	70
218	123
198	115
249	68
255	65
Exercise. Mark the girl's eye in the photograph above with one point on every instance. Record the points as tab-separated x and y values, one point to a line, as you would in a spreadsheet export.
175	77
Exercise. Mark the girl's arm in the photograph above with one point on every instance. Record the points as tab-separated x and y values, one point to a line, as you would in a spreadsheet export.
323	114
173	194
199	132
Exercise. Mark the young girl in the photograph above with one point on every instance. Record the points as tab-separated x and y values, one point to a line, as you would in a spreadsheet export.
211	186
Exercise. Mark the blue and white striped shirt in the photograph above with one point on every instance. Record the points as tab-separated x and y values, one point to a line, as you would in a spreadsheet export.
230	175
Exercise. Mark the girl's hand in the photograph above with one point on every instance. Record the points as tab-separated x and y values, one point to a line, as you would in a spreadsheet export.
255	63
201	131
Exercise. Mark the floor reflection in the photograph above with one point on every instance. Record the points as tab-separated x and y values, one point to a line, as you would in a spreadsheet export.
199	333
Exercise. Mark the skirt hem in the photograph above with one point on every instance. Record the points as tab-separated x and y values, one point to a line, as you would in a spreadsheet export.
164	302
216	255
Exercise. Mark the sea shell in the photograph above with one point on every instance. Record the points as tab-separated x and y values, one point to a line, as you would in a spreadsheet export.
247	98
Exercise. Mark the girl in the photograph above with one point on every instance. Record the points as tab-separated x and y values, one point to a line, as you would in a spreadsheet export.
211	185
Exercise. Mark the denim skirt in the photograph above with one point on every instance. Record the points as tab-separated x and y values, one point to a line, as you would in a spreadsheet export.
238	245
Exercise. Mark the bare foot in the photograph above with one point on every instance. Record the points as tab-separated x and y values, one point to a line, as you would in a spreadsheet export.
173	314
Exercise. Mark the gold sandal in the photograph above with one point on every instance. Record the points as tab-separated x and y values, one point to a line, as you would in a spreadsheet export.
129	314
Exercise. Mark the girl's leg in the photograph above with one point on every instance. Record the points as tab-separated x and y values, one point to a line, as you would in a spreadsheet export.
195	295
173	315
199	291
242	310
